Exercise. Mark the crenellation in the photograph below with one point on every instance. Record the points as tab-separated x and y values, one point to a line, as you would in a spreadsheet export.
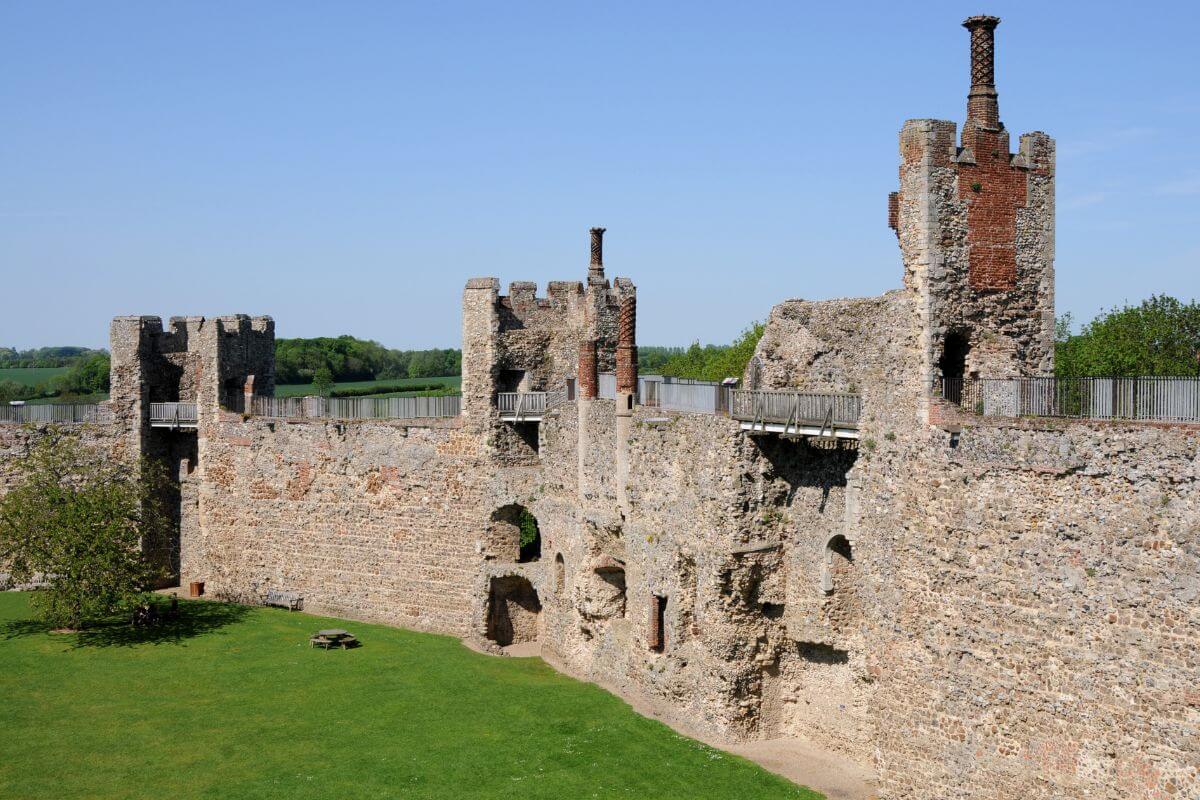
966	606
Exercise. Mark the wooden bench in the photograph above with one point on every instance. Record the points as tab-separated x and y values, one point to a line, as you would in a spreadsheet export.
289	600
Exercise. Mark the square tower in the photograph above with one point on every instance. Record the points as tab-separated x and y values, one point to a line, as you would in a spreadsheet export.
975	223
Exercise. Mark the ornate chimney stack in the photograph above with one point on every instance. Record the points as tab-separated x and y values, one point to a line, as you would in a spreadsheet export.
983	107
596	267
627	356
589	378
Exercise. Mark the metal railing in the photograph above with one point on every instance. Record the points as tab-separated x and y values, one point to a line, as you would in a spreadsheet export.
671	394
51	412
796	408
173	413
607	386
523	404
702	397
357	407
1163	399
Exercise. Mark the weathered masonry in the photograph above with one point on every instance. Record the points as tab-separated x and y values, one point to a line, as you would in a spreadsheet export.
972	605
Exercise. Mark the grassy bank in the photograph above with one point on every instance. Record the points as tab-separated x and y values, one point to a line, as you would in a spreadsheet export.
232	702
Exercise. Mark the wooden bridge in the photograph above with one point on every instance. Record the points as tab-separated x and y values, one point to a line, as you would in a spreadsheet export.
528	406
176	416
797	414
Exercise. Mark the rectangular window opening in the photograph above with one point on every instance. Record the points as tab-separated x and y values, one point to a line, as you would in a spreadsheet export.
658	623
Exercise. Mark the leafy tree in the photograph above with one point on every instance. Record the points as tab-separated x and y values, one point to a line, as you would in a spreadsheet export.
530	541
1159	337
716	362
11	390
323	382
351	359
652	359
88	376
44	356
94	530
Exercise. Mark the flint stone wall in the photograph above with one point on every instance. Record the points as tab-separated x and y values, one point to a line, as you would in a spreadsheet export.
372	520
1035	632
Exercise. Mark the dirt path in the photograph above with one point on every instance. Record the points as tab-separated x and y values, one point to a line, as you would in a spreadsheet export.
798	760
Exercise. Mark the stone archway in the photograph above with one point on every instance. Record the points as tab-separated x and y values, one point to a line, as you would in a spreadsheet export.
513	611
513	535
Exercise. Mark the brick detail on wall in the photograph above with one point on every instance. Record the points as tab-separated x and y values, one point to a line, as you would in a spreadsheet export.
993	191
589	381
627	357
894	211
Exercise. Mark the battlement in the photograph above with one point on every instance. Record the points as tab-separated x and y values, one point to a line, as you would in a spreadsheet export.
523	341
208	360
975	223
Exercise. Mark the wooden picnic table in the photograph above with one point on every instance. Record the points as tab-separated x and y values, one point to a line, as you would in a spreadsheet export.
333	637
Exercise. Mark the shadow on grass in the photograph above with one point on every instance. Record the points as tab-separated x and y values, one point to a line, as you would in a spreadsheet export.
194	619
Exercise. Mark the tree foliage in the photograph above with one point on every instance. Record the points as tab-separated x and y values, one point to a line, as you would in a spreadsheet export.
323	381
92	529
351	359
88	375
1159	337
652	359
44	356
530	540
716	362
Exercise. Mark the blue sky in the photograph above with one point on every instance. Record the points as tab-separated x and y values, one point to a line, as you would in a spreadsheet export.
345	167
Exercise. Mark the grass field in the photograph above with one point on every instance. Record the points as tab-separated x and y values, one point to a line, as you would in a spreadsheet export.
301	389
231	702
31	376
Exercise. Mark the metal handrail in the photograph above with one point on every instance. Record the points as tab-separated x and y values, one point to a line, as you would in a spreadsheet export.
174	413
51	412
357	407
828	410
1140	398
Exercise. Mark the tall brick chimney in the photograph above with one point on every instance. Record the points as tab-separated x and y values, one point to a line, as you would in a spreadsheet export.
589	379
596	266
983	106
627	356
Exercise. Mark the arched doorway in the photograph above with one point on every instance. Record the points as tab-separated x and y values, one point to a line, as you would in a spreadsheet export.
513	535
513	609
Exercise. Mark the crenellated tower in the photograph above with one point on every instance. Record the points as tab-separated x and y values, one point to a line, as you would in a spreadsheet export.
975	223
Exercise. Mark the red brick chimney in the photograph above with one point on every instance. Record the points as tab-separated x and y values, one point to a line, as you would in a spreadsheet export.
596	267
983	107
627	356
589	380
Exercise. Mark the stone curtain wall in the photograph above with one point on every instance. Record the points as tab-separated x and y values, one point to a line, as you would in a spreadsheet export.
372	520
1034	631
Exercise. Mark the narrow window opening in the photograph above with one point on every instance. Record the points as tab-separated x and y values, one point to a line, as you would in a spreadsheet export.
658	623
560	574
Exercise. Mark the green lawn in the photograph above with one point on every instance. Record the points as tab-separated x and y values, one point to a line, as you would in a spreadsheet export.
31	376
232	703
302	389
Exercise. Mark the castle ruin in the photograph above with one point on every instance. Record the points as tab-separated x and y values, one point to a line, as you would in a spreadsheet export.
970	606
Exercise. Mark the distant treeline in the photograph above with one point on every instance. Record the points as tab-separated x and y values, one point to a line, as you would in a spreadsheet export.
1161	336
43	357
711	362
86	376
651	360
397	388
351	359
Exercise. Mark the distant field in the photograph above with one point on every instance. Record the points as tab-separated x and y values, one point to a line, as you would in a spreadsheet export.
302	389
31	376
84	399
